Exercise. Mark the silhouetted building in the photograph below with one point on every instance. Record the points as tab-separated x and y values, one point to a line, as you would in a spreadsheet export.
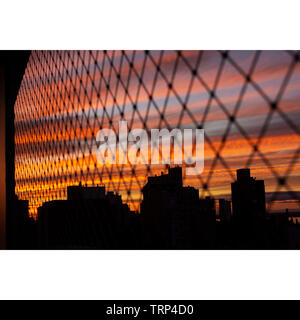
22	228
248	196
85	193
173	216
249	211
277	230
224	210
292	235
208	206
90	218
202	231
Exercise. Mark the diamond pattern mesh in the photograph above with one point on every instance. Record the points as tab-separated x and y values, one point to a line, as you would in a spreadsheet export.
248	103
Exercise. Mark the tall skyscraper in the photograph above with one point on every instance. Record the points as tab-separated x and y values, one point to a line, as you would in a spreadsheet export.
173	216
248	197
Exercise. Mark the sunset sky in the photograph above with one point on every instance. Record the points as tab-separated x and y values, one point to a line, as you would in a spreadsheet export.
66	97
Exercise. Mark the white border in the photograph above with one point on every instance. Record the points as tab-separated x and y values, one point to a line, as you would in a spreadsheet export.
149	275
155	24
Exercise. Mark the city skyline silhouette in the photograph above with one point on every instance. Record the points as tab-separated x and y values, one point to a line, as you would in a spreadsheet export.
172	216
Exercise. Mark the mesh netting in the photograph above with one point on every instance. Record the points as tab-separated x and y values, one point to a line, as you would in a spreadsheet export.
248	103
